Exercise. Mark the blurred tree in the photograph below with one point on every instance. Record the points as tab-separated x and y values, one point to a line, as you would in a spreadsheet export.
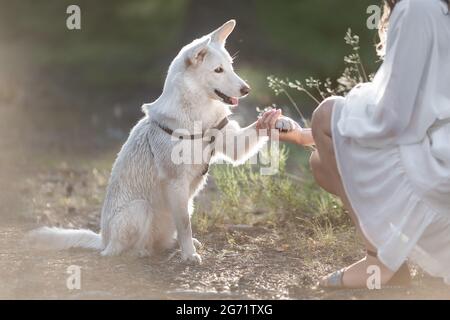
126	45
119	40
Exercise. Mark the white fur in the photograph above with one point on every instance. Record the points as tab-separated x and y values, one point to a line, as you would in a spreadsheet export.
149	199
58	238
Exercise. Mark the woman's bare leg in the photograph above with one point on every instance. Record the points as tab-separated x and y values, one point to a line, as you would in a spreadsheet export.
325	171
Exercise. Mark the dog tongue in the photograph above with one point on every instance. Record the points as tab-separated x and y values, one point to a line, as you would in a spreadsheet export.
234	101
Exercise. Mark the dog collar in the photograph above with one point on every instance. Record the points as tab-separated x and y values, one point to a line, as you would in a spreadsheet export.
171	132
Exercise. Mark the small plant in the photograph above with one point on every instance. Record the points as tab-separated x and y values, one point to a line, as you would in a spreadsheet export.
294	206
244	196
317	90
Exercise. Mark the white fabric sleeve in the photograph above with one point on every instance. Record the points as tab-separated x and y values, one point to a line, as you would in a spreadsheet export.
377	114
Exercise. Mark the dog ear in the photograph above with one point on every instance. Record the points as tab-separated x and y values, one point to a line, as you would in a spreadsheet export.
197	53
221	34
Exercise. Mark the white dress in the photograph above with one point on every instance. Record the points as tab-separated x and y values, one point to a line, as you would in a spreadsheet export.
392	142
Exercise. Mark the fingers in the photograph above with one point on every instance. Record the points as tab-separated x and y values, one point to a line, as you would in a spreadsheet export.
273	119
262	120
268	119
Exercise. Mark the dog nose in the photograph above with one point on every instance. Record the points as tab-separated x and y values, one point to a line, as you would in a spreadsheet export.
245	90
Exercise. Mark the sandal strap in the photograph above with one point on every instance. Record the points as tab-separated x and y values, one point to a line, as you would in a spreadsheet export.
334	280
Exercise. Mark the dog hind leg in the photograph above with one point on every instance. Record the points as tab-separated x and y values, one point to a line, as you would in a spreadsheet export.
131	230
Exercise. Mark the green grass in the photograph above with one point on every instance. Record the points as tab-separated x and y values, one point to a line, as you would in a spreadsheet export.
290	204
289	201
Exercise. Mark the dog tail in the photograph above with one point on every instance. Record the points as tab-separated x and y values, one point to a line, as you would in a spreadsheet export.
60	239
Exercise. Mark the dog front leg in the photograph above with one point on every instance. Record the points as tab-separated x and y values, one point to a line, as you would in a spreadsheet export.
178	198
240	144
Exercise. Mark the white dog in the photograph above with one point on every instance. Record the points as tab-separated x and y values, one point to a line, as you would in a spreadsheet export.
149	198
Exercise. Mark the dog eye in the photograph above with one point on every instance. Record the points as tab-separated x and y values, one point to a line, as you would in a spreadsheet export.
218	70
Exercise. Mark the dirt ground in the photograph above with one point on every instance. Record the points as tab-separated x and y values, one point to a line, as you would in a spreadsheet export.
250	270
61	179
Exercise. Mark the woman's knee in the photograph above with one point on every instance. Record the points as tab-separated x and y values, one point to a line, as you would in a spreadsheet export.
321	118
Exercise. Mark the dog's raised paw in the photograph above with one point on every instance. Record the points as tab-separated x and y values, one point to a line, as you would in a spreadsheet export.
193	259
285	124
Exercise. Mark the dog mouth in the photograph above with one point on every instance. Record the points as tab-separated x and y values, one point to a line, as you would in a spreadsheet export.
233	101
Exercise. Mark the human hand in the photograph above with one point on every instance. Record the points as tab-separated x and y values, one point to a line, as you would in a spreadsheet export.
267	120
289	130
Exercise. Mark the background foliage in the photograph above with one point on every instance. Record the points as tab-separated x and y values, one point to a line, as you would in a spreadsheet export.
125	47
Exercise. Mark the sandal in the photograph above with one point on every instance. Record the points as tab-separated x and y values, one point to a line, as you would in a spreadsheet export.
401	278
